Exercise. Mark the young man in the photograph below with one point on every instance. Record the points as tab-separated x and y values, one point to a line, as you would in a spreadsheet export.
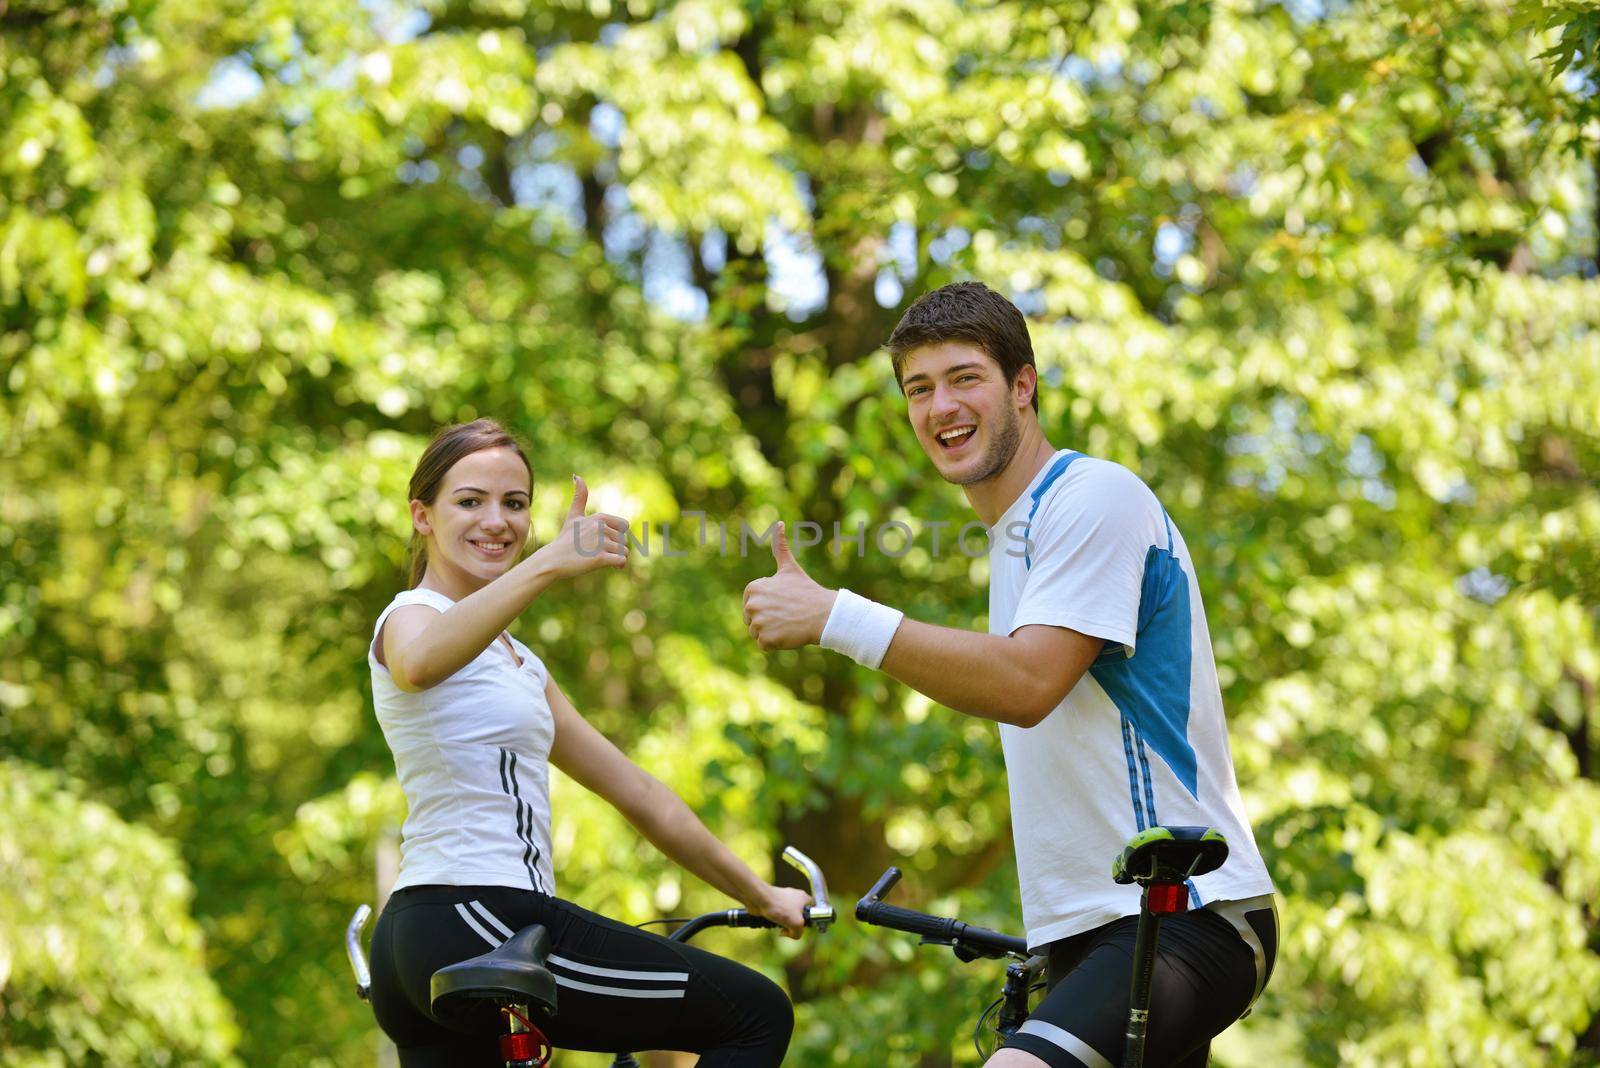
1099	669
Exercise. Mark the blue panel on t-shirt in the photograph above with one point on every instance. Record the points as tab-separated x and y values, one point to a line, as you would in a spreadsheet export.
1050	476
1152	689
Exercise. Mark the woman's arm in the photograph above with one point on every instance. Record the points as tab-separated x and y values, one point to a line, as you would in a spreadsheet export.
422	647
662	817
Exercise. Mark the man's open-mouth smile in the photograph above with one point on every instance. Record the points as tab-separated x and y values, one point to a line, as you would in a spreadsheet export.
956	438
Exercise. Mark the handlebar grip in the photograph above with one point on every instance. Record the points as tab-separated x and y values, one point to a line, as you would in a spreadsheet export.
989	943
742	918
934	928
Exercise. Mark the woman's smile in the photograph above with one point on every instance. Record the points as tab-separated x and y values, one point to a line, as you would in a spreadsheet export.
491	548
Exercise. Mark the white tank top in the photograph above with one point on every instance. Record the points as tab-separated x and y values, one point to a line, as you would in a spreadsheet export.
472	755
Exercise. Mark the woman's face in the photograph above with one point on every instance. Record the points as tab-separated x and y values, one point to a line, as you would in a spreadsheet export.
478	522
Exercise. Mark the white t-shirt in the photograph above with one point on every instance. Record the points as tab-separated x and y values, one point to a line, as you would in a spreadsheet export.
1141	739
472	755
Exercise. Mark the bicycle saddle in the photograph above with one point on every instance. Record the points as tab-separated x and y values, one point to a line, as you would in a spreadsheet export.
471	992
1170	855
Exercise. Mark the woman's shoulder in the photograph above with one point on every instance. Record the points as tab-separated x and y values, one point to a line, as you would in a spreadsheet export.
420	595
405	598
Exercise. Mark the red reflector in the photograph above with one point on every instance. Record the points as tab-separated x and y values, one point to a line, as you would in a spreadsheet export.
1167	897
518	1047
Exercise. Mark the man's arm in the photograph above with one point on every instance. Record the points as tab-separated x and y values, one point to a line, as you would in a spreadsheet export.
1015	679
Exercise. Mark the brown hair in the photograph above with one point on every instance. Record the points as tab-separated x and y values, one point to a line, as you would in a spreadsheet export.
449	445
970	312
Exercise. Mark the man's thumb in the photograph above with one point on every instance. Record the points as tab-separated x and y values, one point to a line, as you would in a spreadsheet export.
580	498
780	548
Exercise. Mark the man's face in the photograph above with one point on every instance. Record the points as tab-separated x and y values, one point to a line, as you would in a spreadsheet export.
964	412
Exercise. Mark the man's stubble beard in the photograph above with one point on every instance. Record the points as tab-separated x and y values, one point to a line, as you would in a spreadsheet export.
1007	436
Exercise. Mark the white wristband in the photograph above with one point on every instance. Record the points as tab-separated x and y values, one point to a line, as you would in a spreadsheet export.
860	629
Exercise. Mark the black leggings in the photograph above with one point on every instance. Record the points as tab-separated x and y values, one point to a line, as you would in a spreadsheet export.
1205	979
618	988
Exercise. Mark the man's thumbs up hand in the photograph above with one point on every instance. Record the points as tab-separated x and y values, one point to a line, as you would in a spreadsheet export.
787	609
781	553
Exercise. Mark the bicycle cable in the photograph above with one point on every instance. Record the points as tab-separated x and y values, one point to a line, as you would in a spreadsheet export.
977	1031
665	919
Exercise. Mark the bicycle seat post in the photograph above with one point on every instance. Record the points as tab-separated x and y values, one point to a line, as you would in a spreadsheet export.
521	1046
1161	860
1144	962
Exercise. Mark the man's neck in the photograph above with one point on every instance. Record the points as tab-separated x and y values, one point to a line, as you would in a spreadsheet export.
991	497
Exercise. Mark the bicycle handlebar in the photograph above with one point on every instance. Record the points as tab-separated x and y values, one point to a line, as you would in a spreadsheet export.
819	915
968	941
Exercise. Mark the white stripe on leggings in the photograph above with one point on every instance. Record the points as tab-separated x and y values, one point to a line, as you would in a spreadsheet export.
617	973
471	920
619	992
1068	1041
489	918
1237	913
476	926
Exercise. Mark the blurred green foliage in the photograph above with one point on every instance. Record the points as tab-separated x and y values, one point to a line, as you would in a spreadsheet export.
1323	273
100	955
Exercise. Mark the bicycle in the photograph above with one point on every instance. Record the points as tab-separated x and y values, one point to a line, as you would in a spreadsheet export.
1160	860
510	983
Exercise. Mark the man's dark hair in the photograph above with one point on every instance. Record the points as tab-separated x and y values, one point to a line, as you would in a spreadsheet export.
970	312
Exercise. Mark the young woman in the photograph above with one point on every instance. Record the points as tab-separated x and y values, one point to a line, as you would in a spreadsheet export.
474	720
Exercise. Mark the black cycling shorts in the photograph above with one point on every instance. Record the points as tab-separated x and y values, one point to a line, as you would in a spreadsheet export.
618	988
1207	975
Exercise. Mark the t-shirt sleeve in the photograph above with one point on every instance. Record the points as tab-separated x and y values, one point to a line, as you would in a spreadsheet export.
427	598
436	601
1087	548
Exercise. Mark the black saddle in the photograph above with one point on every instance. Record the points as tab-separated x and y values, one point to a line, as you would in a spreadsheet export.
470	993
1170	855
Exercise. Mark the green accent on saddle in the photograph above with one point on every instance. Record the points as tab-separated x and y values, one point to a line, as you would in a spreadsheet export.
1119	865
1201	848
